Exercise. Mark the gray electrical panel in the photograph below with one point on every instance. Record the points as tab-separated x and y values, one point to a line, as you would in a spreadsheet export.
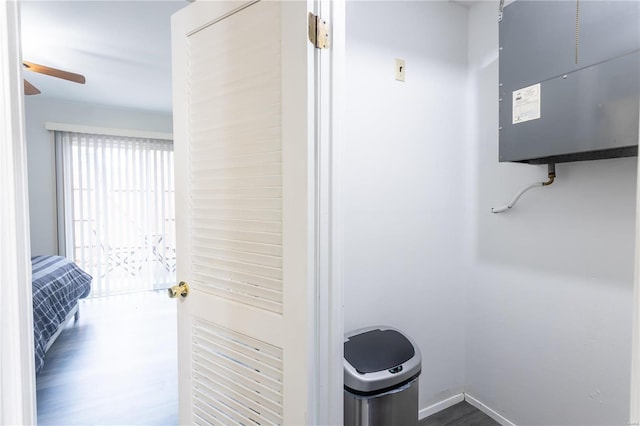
569	80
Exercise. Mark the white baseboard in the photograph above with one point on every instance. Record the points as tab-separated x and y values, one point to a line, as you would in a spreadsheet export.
488	411
439	406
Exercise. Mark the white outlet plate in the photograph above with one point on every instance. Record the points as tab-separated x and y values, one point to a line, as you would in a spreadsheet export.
400	71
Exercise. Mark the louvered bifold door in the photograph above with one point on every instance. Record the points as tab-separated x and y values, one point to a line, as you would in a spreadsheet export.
242	173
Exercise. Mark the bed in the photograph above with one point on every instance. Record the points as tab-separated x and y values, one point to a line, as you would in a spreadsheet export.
58	284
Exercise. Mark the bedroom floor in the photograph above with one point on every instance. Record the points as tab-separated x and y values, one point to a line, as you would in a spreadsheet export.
116	365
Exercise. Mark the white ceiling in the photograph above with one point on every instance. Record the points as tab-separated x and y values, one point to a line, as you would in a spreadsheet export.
123	48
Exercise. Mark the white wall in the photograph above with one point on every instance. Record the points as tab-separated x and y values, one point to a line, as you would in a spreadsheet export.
528	311
40	154
403	180
549	288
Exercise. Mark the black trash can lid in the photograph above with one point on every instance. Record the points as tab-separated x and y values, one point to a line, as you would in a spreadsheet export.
377	350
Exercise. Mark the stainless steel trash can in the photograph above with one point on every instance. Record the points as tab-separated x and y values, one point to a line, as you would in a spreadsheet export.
381	369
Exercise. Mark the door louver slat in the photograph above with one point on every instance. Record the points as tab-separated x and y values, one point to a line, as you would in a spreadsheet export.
236	378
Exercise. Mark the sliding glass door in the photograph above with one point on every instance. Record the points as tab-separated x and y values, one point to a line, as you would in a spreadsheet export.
116	207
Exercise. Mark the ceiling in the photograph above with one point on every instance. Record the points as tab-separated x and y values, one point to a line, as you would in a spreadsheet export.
123	48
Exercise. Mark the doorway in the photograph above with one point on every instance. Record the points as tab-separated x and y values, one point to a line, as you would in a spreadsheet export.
121	346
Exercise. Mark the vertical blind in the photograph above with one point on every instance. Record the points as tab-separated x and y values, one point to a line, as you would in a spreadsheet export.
116	210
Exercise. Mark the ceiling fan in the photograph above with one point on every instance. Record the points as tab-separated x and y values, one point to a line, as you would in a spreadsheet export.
30	89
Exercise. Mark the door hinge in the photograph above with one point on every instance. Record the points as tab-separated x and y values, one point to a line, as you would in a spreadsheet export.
318	32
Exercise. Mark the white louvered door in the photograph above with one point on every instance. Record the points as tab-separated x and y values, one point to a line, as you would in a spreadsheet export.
244	160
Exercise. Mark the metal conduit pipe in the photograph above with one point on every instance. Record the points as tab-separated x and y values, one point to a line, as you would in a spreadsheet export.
551	175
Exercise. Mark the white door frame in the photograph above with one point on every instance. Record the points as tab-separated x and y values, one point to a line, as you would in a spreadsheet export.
635	342
329	318
17	370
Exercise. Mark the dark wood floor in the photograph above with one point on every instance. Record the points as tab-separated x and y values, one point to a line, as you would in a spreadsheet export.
115	366
461	414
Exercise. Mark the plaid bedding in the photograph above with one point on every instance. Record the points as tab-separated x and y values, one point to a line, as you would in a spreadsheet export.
58	283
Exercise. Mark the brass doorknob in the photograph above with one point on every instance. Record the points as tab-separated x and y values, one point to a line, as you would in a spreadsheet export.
181	289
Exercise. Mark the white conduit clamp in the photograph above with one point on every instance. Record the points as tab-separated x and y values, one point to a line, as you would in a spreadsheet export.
514	200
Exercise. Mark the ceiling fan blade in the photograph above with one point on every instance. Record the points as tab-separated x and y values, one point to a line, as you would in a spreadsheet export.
76	78
30	89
